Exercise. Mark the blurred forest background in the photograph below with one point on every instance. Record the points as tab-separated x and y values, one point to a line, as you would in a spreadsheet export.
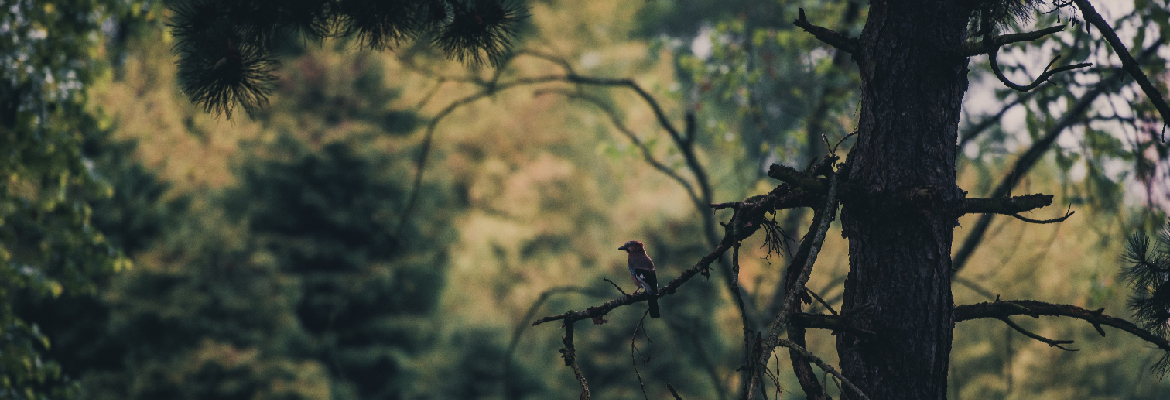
154	251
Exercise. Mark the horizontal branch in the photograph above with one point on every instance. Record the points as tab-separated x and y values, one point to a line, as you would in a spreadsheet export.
1003	309
993	44
1006	205
830	37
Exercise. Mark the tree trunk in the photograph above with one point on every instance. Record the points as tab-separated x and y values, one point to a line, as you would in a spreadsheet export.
900	236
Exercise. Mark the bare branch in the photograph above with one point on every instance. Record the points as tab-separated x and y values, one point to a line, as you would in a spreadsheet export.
822	301
1127	62
523	323
1006	205
1067	214
673	392
1050	342
625	130
824	366
987	46
1039	80
830	37
827	214
999	309
569	353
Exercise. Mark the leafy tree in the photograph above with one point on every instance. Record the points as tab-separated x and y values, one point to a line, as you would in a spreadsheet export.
48	242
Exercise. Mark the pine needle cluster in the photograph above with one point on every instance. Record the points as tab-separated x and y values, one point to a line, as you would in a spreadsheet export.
1148	275
224	46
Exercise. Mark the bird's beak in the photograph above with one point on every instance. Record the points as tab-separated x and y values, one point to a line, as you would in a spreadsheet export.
622	248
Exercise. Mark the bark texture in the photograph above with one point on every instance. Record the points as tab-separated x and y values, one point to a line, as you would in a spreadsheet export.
900	245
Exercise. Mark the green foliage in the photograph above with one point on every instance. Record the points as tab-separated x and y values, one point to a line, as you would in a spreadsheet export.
1147	278
224	46
49	245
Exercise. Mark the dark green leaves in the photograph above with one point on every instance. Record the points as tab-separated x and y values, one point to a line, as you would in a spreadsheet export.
224	46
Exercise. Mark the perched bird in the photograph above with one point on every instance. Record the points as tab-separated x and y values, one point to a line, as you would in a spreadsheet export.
642	271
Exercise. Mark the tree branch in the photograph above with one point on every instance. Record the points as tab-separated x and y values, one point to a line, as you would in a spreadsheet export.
1127	62
1006	205
824	366
625	130
1003	309
1039	80
1050	342
827	214
830	37
569	353
990	45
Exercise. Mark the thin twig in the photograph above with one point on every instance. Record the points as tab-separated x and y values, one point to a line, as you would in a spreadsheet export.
615	285
1050	342
820	300
1067	214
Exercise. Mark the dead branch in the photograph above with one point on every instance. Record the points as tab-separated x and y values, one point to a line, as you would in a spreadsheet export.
1050	342
824	366
827	214
1003	309
1048	72
990	45
1006	205
830	37
1067	214
629	134
569	353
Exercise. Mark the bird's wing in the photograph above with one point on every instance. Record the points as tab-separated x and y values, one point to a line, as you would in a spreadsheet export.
641	262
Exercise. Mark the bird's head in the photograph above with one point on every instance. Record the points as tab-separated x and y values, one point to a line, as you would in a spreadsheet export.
633	246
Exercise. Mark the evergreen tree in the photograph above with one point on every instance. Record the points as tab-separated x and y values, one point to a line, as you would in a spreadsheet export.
224	47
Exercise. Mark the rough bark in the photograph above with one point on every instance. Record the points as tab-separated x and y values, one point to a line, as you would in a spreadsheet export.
898	286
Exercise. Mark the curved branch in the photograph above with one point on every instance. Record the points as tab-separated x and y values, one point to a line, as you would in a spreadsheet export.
625	130
1039	80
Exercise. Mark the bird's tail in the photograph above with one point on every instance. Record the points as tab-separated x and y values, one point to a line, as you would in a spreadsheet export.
653	302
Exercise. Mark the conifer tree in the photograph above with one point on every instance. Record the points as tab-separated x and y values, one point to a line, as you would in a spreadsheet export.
224	47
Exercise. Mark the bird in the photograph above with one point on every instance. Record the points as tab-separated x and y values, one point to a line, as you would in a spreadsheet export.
642	272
